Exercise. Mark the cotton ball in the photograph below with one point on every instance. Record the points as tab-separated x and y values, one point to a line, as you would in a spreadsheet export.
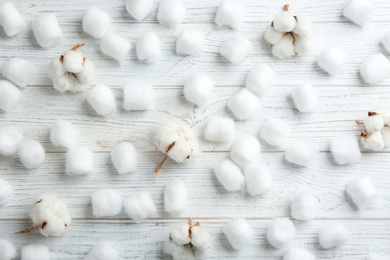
171	12
102	100
190	42
47	31
175	197
238	233
148	47
79	161
10	95
295	253
362	192
35	252
375	69
63	134
229	175
374	122
96	22
244	104
219	129
280	232
300	154
284	22
115	46
139	9
179	234
303	46
305	98
139	206
6	192
7	250
259	79
201	239
10	138
11	20
345	149
173	249
304	206
124	156
333	235
19	71
138	96
229	15
246	150
275	132
373	141
331	60
198	88
258	180
273	36
285	48
102	251
106	203
236	48
304	27
31	153
386	41
359	11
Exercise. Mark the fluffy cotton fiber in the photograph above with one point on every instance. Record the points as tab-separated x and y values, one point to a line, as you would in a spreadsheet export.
238	233
258	180
106	203
280	232
295	253
345	149
333	235
19	71
148	47
300	154
246	150
138	96
236	48
7	250
375	69
359	11
47	31
362	192
102	251
259	79
175	197
275	132
219	129
102	100
229	175
64	134
331	60
115	46
96	22
139	206
10	138
189	42
139	9
10	19
304	206
229	15
35	252
244	104
10	95
31	153
6	192
171	12
305	98
198	88
124	156
79	161
386	41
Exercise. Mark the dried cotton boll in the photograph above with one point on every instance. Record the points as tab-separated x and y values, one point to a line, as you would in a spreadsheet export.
305	98
229	15
275	132
179	234
106	203
96	22
64	134
303	46
139	9
359	11
139	206
10	138
374	122
201	239
138	96
171	12
198	88
331	60
190	42
19	71
375	69
244	104
258	180
295	253
236	48
345	149
148	47
280	232
273	36
386	41
219	129
10	95
246	150
259	79
6	192
124	157
31	153
102	100
47	31
10	19
102	251
175	197
284	22
303	27
229	175
362	192
333	235
115	46
285	48
238	233
300	154
304	206
79	161
7	250
35	252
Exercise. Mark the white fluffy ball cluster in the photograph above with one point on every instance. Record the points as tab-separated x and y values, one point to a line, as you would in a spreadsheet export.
124	157
244	104
33	252
238	233
64	134
115	46
275	132
229	15
280	232
219	129
229	175
6	192
175	197
260	79
96	22
359	11
10	19
102	100
295	253
148	47
19	71
375	134
345	149
375	69
31	153
198	88
47	31
171	12
301	154
304	206
7	250
102	251
10	96
139	206
246	150
10	138
139	9
258	180
333	235
236	48
78	161
106	203
362	192
138	96
331	60
190	42
305	98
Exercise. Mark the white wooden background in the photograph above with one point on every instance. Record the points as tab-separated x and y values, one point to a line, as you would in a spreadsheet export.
343	98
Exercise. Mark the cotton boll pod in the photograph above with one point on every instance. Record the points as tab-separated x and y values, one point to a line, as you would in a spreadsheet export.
331	59
102	100
138	96
219	129
73	61
10	19
33	252
238	233
386	41
19	71
259	79
148	47
359	11
175	197
198	88
258	180
275	132
273	36
106	203
102	250
374	122
245	150
304	206
7	250
78	161
47	31
124	156
303	46
173	249
304	27
171	12
280	232
362	192
243	104
284	22
179	234
139	9
285	48
115	46
300	154
229	15
96	22
375	69
10	138
63	134
345	149
10	95
333	235
31	153
373	141
6	192
139	206
305	98
236	48
190	42
229	175
295	253
201	239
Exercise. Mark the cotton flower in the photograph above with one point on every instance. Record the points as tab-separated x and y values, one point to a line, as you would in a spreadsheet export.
375	69
171	12
236	48
102	100
238	233
345	149
190	42
139	9
229	175
260	79
31	153
148	47
304	206
246	150
375	134
258	180
305	98
359	11
362	191
10	138
243	104
96	22
19	71
10	95
47	31
64	134
175	197
115	46
275	132
102	250
32	252
295	253
78	161
106	203
10	19
198	88
333	235
124	157
331	60
139	206
7	250
280	232
229	15
300	154
219	129
6	192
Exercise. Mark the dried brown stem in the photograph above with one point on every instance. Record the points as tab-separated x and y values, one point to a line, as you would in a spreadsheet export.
372	113
360	122
62	58
77	46
364	133
192	224
159	167
28	230
286	7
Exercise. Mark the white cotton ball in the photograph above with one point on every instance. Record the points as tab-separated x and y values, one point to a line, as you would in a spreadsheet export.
331	60
386	135
19	71
6	192
102	251
284	22
375	69
73	61
138	96
303	46
124	157
96	22
106	203
10	19
171	12
31	153
305	98
10	95
304	27
148	47
115	46
285	48
139	206
275	132
259	79
238	233
51	214
258	180
280	232
139	9
300	154
198	88
35	252
229	175
386	41
219	129
246	150
359	11
179	234
236	48
273	36
7	250
304	206
63	134
102	100
175	197
47	31
229	15
201	239
79	161
244	104
173	249
295	253
10	138
362	192
333	235
374	122
345	149
190	42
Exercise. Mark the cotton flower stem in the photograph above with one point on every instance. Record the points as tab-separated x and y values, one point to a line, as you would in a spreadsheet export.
28	230
372	113
159	167
77	46
360	122
196	224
